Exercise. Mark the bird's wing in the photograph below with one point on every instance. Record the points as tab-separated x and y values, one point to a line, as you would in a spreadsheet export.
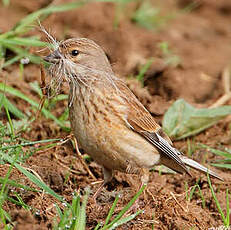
142	122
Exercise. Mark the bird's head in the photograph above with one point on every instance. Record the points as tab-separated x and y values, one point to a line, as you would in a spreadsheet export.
79	52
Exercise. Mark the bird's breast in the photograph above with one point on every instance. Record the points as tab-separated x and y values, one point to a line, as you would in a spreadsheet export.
97	120
95	117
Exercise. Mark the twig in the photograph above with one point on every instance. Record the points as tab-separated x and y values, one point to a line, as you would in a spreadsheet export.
221	101
226	80
35	173
66	167
227	89
82	160
185	210
150	194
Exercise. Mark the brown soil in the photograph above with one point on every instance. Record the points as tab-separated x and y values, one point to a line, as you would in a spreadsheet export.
201	39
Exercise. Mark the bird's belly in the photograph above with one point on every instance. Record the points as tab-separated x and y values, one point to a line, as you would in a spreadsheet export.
111	143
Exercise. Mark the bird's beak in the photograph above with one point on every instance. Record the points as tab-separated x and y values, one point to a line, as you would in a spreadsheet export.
53	57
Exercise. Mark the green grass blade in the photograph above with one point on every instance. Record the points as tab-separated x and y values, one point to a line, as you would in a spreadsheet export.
75	209
2	196
228	161
22	26
225	166
19	202
124	220
5	179
17	41
82	216
227	208
12	60
12	109
6	2
31	177
35	86
192	192
9	120
216	201
201	195
98	226
7	215
38	182
28	143
46	113
125	209
17	185
216	151
111	210
59	211
23	53
144	69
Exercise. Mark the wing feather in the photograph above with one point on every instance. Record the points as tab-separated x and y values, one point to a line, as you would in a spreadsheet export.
142	122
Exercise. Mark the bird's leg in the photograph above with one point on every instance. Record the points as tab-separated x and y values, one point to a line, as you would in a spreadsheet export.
144	181
107	176
144	178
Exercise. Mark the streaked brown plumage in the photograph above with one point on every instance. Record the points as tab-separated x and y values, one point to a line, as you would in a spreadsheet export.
109	122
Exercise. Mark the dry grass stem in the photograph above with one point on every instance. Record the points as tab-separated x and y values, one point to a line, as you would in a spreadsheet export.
226	84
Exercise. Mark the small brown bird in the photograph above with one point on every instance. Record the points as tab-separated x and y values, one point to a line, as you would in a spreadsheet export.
108	121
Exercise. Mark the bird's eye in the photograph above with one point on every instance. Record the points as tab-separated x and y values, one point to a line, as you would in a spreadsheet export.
74	52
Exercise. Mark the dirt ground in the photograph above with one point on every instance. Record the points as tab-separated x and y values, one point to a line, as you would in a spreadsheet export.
201	39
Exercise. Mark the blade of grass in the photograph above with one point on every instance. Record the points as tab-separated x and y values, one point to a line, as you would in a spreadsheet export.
23	42
9	120
217	202
227	208
226	166
192	192
5	217
13	109
76	208
17	185
201	195
98	226
216	151
19	202
24	25
46	113
24	53
125	209
221	163
124	220
2	198
6	2
186	190
111	210
12	60
28	143
82	216
143	70
59	211
31	177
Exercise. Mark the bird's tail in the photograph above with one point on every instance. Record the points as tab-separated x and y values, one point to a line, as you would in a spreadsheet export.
193	164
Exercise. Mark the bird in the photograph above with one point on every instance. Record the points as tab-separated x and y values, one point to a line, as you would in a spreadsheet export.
107	119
